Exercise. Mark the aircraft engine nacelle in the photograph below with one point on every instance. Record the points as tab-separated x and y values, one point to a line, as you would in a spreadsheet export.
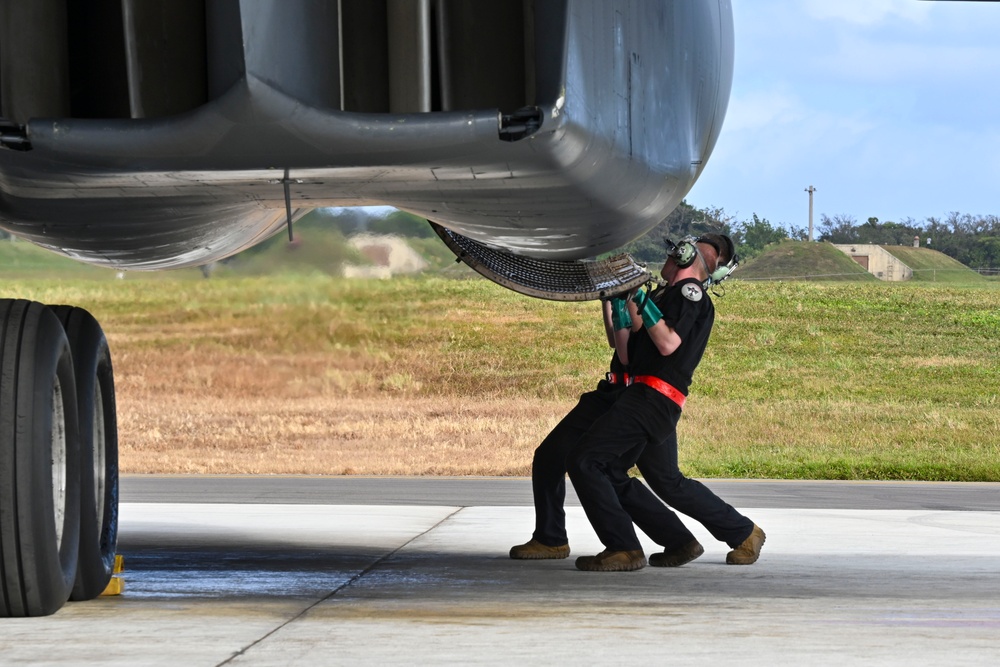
156	134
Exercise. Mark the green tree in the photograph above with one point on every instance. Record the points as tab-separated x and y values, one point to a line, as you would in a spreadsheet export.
685	220
402	223
844	229
838	229
349	221
968	239
753	236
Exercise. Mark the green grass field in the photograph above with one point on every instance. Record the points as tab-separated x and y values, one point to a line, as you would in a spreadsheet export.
798	261
931	266
816	380
794	260
20	259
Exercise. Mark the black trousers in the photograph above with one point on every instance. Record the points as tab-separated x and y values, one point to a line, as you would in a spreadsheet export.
658	465
548	476
640	427
548	467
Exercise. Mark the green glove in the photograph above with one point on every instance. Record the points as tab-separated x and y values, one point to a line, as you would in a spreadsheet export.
650	313
620	317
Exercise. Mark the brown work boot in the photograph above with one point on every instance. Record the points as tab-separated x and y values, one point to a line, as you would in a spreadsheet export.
678	555
749	551
612	561
535	550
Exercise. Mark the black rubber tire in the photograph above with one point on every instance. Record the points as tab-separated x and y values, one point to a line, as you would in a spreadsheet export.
95	393
39	462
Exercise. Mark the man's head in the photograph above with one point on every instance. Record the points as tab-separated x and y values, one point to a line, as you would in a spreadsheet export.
669	270
709	258
726	259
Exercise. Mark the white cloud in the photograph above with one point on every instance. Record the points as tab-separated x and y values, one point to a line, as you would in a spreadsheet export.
888	107
763	109
771	146
898	62
868	12
779	117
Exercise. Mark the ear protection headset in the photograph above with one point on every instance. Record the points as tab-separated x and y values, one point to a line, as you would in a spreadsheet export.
722	271
686	252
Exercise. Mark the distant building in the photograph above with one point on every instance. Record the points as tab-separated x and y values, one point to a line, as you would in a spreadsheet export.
876	261
389	256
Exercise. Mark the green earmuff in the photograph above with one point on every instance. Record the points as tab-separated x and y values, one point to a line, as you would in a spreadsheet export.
686	252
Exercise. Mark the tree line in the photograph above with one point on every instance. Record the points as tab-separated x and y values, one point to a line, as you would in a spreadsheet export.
972	240
751	236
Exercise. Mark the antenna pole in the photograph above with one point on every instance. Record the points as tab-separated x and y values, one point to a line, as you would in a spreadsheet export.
810	190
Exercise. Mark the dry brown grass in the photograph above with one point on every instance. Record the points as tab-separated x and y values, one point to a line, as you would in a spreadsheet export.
338	436
217	378
202	411
330	435
312	375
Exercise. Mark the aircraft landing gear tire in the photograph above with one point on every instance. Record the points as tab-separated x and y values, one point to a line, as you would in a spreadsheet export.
95	392
39	462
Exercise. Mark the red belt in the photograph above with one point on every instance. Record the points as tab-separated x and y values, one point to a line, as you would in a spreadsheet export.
619	378
668	390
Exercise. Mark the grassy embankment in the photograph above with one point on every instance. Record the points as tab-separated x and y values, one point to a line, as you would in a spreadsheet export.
932	266
794	260
311	374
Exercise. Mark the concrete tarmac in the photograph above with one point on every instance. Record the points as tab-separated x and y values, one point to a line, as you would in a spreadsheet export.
256	571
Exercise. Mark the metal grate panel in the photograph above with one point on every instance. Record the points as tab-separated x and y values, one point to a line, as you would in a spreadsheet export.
581	280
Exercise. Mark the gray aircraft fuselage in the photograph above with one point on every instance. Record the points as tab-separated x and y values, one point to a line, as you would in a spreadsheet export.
152	134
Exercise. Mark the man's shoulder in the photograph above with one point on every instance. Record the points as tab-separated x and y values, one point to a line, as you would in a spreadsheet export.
689	289
692	290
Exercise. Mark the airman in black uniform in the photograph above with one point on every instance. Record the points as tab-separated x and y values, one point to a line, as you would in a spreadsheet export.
548	468
672	327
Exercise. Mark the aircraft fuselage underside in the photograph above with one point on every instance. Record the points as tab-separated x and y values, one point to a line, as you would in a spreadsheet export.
621	103
153	134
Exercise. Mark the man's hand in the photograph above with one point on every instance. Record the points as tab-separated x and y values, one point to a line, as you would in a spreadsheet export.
620	317
647	309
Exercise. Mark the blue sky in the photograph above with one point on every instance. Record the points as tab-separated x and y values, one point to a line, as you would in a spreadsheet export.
890	108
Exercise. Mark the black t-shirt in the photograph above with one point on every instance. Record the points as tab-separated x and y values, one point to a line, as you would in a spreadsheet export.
689	311
616	367
616	364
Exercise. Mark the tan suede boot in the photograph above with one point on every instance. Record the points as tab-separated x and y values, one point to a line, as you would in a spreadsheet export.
535	550
677	556
749	550
612	561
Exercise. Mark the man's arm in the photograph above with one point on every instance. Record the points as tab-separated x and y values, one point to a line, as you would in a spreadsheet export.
617	325
662	334
621	345
609	329
664	337
636	317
